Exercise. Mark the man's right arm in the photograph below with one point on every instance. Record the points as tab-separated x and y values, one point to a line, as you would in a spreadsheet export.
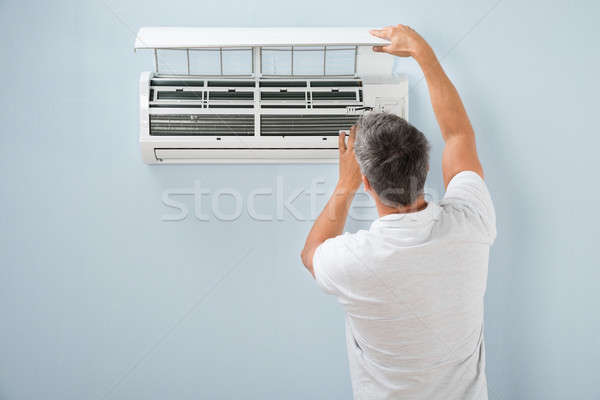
460	152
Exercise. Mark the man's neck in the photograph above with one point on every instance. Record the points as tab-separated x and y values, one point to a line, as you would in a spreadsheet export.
418	205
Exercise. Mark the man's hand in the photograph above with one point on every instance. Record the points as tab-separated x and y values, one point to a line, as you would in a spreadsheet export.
405	42
350	176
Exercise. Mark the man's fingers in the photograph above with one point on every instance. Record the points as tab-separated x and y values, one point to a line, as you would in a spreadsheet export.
352	138
342	142
381	33
381	49
384	33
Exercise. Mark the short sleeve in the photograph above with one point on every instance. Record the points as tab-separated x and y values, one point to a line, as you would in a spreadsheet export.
329	264
467	193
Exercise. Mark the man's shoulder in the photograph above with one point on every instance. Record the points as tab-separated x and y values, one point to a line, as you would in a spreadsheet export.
337	260
467	208
347	243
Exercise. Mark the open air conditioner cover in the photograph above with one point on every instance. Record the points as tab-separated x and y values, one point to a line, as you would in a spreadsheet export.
186	38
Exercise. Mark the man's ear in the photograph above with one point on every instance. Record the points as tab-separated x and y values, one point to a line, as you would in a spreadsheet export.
366	183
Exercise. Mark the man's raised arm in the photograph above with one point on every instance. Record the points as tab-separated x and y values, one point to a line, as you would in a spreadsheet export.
333	217
460	152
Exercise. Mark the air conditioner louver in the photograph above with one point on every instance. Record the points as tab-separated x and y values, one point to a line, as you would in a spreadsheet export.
231	84
283	95
334	95
170	95
277	83
230	95
305	125
177	82
348	83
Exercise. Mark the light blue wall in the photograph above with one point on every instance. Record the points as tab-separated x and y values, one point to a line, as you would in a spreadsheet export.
99	298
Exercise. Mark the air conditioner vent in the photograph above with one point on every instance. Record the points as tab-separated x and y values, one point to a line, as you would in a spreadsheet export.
232	84
334	95
179	95
282	84
305	125
202	125
229	105
348	83
283	96
177	82
298	105
230	95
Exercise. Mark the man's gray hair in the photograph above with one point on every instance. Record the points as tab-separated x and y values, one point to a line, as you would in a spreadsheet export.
394	156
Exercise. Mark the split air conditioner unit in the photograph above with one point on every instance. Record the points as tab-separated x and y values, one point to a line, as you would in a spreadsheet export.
224	95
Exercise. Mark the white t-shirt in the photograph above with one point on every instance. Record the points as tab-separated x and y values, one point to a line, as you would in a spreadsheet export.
412	287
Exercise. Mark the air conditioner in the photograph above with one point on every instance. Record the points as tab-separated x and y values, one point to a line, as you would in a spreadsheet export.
226	95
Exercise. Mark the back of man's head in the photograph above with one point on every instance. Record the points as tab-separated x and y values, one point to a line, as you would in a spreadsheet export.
394	157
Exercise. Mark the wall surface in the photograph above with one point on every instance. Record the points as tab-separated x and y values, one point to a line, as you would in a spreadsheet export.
102	299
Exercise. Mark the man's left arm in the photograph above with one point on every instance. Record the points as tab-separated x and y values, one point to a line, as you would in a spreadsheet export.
330	222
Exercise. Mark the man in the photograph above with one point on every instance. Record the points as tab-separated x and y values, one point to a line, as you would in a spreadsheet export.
412	286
